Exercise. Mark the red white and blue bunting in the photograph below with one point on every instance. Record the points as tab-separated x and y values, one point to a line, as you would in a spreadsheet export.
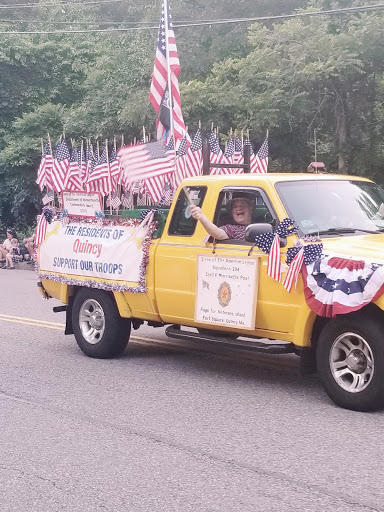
335	285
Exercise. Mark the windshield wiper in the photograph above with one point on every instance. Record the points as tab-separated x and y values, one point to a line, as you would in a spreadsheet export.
341	231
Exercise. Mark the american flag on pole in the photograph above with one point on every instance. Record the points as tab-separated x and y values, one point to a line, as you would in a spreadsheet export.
41	229
275	268
60	166
228	156
73	175
238	155
216	155
194	158
126	199
49	197
114	166
261	159
45	166
293	271
159	94
166	198
181	171
99	175
145	161
114	201
253	163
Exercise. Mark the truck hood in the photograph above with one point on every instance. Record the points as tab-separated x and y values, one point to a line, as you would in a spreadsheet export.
362	247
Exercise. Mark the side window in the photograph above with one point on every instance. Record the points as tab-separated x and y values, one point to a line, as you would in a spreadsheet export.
258	210
261	212
182	223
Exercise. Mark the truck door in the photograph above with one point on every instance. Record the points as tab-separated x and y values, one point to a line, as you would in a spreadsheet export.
180	251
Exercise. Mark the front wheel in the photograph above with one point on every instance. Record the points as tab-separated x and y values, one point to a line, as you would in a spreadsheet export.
99	330
350	362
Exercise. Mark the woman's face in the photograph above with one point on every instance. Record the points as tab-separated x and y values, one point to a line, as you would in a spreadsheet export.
241	211
9	235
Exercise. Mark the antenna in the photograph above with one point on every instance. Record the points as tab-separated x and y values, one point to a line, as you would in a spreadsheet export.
314	135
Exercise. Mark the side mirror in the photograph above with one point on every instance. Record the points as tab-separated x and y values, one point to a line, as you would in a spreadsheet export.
258	229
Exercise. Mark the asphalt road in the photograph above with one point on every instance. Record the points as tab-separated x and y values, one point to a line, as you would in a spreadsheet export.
165	428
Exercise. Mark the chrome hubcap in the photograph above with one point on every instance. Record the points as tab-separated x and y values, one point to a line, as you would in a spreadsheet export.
351	362
92	321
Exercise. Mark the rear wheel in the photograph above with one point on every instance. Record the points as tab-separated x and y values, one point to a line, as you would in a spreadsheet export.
99	330
350	362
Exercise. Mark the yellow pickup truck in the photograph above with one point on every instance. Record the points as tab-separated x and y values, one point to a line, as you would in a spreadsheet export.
226	290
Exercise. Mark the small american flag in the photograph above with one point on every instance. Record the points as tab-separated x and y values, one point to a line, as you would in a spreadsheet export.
145	161
216	155
126	199
181	162
73	175
194	158
41	229
166	198
294	269
45	167
261	159
275	268
115	201
238	155
228	156
99	175
49	196
60	166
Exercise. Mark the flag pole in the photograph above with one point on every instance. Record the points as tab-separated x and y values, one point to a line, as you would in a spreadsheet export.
166	19
109	177
169	81
50	147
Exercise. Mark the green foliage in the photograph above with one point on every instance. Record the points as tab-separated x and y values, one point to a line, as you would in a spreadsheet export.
289	77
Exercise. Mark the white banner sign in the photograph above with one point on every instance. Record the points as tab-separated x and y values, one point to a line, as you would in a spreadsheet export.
227	291
82	204
110	253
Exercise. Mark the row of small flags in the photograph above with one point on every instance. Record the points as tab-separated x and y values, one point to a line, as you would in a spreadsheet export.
147	169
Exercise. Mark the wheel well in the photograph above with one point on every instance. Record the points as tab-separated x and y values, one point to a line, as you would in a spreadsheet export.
71	298
308	354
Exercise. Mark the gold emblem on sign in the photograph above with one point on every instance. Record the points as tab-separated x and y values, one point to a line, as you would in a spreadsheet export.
224	294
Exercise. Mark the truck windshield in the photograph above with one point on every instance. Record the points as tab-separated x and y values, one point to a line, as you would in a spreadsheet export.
334	207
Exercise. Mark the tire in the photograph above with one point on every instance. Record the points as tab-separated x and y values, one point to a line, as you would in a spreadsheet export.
99	330
350	362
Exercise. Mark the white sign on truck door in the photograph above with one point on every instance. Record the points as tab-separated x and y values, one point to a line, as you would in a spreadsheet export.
226	291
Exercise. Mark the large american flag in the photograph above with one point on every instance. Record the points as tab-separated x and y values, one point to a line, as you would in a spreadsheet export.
159	85
45	165
261	159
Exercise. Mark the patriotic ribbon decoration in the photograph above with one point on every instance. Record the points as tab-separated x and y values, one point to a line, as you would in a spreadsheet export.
270	244
337	285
